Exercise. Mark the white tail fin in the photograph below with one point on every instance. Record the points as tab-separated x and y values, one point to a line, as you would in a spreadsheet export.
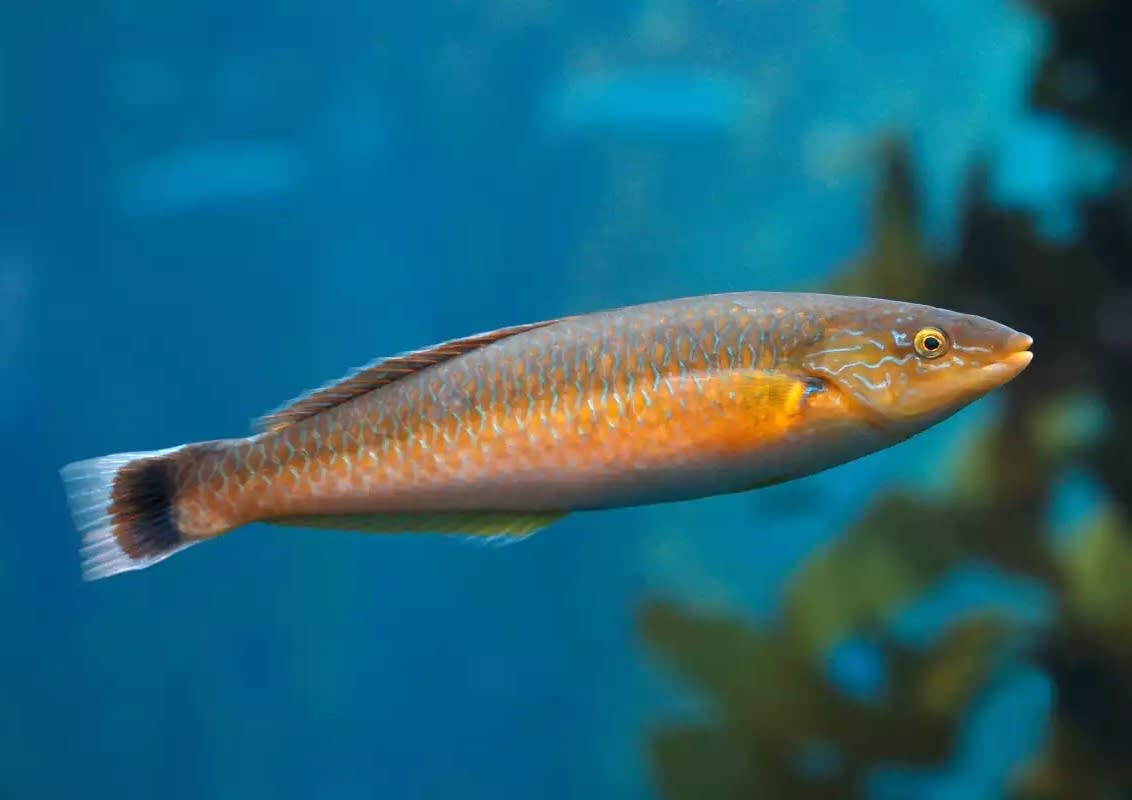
122	505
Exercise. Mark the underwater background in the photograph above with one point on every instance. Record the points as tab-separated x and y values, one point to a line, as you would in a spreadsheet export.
209	207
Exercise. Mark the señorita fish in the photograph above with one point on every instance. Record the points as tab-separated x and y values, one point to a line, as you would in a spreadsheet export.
501	433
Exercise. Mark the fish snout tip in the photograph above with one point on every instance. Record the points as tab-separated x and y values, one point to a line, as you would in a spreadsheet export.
1017	356
1019	343
1018	352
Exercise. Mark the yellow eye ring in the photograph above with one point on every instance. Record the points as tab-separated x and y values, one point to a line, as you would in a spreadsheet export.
931	343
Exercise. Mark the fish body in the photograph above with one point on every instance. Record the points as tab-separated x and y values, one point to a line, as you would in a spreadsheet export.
505	431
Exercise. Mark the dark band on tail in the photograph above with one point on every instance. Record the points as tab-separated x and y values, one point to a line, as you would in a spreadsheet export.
125	506
141	507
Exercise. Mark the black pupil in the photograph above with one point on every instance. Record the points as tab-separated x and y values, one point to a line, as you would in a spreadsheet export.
931	343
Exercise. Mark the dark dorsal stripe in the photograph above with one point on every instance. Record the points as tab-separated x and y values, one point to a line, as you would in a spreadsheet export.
383	372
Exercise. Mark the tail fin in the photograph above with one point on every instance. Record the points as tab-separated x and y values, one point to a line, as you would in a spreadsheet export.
122	505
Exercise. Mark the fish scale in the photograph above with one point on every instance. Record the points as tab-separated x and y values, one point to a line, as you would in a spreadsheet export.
502	432
475	427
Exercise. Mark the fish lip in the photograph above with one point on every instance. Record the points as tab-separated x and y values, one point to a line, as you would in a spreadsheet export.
1017	358
1019	342
1021	359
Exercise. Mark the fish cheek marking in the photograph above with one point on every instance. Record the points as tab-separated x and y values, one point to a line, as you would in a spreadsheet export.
812	385
830	400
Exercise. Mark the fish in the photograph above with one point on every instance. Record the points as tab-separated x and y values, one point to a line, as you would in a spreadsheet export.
501	433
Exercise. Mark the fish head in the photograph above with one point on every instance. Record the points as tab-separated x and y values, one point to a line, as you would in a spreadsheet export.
902	367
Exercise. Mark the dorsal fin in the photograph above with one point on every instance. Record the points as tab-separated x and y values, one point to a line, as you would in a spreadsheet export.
381	373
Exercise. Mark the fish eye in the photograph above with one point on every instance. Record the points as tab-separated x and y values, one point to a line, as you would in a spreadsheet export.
931	342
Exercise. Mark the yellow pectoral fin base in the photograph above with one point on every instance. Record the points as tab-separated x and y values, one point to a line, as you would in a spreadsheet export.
777	392
470	523
767	396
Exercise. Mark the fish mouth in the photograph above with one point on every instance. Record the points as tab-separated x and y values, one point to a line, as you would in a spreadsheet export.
1018	357
1020	343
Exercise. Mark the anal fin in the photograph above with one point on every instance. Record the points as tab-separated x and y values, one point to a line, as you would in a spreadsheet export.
471	523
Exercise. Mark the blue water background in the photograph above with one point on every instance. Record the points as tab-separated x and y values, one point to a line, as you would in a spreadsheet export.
209	207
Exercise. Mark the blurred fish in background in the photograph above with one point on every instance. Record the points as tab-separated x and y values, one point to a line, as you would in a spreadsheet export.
207	203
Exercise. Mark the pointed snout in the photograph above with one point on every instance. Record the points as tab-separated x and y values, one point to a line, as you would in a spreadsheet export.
1016	357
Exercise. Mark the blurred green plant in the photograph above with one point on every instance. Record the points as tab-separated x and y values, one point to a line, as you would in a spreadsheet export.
1073	411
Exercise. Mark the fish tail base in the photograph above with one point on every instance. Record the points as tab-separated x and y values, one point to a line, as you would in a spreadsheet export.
124	506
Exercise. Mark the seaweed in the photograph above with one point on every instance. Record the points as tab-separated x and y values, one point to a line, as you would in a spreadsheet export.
784	731
771	698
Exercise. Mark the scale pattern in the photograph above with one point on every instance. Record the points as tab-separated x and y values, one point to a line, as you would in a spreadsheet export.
605	409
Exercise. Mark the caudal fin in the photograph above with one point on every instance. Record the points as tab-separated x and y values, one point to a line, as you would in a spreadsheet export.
123	505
